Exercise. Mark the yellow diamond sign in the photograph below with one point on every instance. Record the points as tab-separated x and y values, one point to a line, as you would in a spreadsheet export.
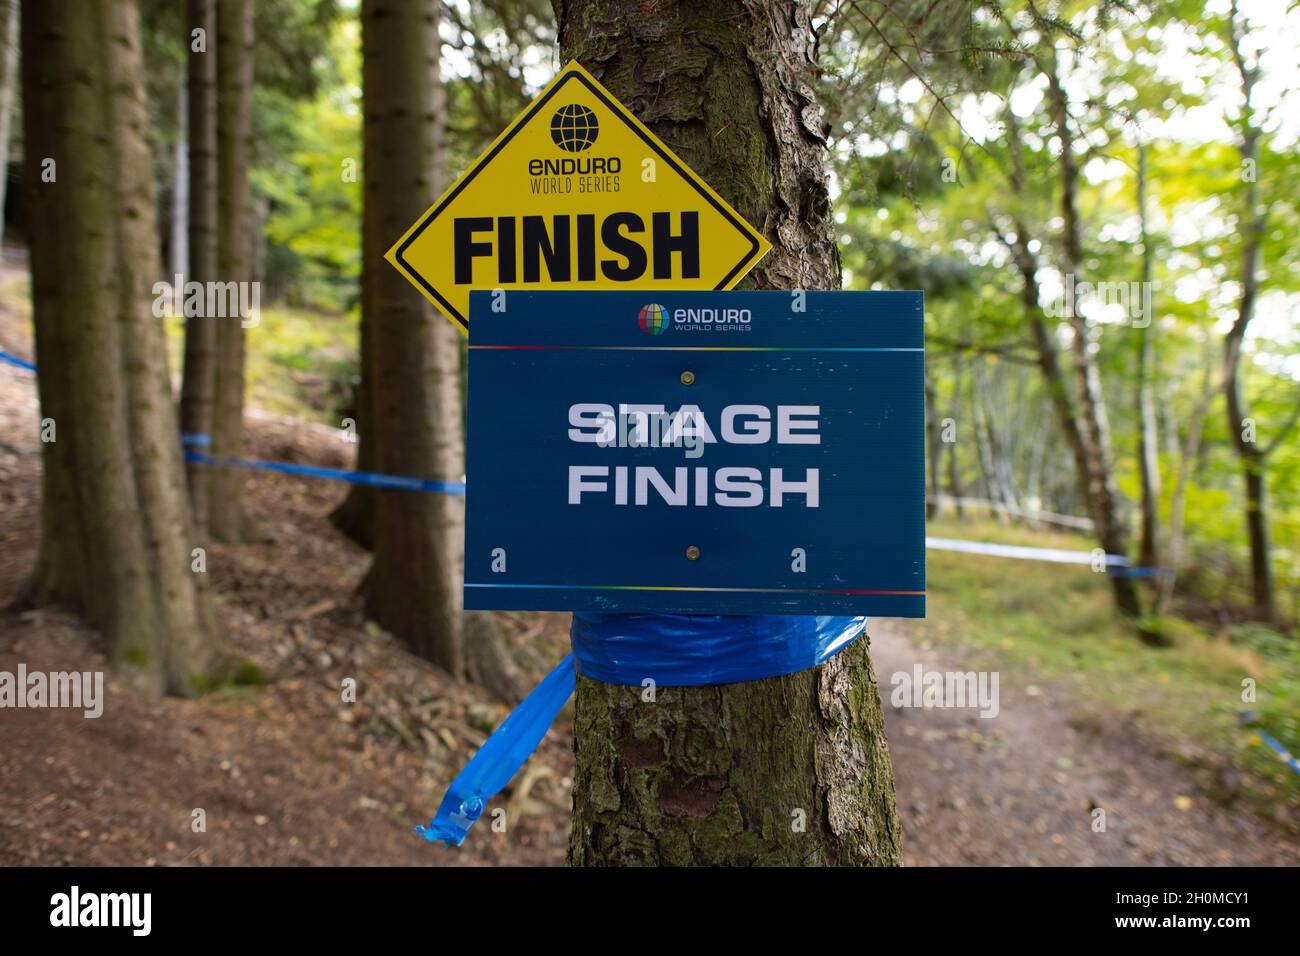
576	194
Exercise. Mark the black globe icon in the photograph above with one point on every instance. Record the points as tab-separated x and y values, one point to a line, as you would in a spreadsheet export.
574	128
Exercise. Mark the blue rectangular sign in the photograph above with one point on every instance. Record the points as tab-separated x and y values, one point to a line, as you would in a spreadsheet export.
696	452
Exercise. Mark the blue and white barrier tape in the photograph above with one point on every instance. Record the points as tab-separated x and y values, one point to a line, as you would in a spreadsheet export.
1116	564
1283	754
1248	718
371	478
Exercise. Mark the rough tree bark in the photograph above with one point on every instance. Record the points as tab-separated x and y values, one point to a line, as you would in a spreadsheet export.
115	521
198	381
415	424
719	775
234	258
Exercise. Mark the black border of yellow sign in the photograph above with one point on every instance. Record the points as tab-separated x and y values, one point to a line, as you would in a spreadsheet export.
574	71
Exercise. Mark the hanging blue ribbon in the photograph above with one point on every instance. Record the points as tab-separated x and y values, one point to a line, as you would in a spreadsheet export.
501	755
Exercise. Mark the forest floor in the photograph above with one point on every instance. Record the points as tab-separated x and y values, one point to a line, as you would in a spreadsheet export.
285	772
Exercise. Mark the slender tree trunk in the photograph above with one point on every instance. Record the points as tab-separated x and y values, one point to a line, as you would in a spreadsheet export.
1085	428
1149	549
178	246
234	258
198	381
1003	431
1101	490
9	55
1249	453
1253	474
115	523
260	214
355	514
985	443
720	775
1035	435
1190	450
954	465
933	445
415	428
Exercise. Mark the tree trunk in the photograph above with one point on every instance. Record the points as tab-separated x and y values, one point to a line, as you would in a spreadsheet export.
415	422
115	523
985	441
355	514
1190	450
1101	491
178	245
954	465
234	258
1251	224
200	330
933	446
9	54
727	774
1085	427
1149	549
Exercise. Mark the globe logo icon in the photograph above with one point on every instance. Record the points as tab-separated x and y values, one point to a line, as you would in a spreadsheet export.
653	319
574	128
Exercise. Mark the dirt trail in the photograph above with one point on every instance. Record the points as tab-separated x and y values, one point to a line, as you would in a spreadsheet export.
1020	788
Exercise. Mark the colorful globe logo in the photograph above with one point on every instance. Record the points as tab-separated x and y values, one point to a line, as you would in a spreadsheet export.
653	319
574	128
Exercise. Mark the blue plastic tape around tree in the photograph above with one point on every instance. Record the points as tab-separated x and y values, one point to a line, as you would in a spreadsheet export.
671	650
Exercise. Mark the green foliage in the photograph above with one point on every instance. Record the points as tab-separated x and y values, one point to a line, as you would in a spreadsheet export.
309	172
927	105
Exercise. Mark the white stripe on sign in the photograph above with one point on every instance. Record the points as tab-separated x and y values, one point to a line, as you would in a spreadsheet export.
1016	551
